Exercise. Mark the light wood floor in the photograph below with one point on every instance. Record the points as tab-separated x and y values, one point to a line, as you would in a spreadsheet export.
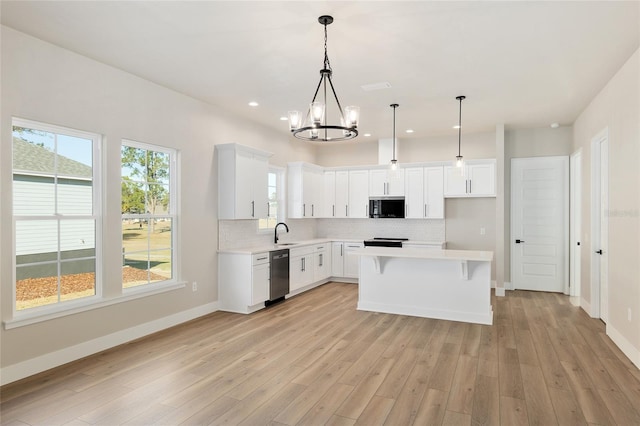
314	359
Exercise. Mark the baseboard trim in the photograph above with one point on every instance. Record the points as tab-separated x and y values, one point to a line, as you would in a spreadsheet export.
500	291
12	373
625	346
586	306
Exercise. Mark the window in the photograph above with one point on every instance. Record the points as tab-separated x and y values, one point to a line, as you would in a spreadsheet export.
274	188
56	214
148	214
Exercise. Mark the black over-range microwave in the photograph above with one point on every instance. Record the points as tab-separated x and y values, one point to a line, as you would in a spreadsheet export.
387	207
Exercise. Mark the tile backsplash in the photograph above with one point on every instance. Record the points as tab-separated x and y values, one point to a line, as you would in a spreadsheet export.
244	233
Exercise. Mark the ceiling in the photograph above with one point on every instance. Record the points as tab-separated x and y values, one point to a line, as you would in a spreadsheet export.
523	64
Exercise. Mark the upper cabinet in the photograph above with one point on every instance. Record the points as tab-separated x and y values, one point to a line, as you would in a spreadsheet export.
424	196
305	190
335	194
242	182
358	193
385	182
476	179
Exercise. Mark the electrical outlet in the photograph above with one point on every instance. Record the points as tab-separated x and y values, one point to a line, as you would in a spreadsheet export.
483	231
194	286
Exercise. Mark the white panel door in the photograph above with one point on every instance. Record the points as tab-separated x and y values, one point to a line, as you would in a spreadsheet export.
414	193
342	193
539	223
434	192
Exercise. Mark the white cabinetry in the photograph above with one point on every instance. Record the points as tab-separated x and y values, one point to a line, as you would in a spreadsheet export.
335	193
305	182
351	262
424	192
337	259
476	179
242	182
359	193
384	182
322	262
308	265
243	281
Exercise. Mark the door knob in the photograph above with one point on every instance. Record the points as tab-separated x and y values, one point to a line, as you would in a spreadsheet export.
599	251
519	241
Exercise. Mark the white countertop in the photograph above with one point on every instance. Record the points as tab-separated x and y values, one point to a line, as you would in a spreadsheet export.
293	244
416	253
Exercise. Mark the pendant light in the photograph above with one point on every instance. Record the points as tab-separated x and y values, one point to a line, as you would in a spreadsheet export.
313	126
459	161
393	164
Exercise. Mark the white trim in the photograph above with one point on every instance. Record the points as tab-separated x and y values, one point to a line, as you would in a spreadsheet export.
508	285
586	306
42	363
500	292
417	311
50	312
575	223
625	346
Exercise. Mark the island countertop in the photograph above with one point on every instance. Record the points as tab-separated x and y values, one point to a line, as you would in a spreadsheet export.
416	253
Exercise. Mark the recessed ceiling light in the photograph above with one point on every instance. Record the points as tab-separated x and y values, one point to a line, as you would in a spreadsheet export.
253	104
409	130
367	135
284	118
555	125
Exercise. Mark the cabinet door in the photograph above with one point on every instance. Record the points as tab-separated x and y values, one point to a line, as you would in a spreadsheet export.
245	180
342	193
322	265
328	194
434	192
359	193
260	184
482	179
414	193
455	181
351	263
260	284
337	259
296	273
377	182
395	182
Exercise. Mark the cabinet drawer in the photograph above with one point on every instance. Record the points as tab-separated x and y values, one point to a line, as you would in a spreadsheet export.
260	258
301	251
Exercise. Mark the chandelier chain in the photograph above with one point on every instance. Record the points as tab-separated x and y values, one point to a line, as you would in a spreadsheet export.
327	64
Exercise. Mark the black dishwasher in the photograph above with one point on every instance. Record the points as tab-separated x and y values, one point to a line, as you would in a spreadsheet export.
279	275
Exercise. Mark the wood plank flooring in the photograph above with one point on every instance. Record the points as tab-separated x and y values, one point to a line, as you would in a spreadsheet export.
315	359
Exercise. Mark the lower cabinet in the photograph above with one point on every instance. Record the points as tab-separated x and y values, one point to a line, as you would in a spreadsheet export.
322	262
243	281
308	265
351	263
337	259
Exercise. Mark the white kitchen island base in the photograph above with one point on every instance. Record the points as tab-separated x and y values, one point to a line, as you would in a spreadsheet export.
443	284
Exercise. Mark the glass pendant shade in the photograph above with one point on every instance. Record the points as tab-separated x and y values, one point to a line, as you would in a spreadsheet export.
459	161
317	112
352	114
295	119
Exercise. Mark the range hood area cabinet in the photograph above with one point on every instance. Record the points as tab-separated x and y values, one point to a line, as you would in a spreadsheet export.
304	190
242	182
424	192
478	179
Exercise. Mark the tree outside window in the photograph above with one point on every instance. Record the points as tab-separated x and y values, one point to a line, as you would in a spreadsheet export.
148	218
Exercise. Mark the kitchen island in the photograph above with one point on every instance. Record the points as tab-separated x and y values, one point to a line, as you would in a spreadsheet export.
443	284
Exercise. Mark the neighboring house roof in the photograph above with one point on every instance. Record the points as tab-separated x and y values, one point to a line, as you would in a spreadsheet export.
34	159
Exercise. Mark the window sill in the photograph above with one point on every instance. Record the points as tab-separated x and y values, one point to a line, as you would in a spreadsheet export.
22	319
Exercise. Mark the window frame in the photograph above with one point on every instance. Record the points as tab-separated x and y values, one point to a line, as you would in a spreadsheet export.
61	306
280	199
172	213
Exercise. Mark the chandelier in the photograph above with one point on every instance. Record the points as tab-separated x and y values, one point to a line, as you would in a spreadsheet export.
313	126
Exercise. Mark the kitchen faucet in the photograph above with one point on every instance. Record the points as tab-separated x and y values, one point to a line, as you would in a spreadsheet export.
275	231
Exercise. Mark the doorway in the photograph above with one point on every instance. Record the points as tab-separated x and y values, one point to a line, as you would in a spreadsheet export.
540	223
600	225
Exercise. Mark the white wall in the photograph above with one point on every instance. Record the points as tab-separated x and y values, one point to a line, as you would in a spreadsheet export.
45	83
616	107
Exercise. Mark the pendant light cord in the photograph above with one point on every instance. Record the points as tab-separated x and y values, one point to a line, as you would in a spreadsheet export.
394	106
460	123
